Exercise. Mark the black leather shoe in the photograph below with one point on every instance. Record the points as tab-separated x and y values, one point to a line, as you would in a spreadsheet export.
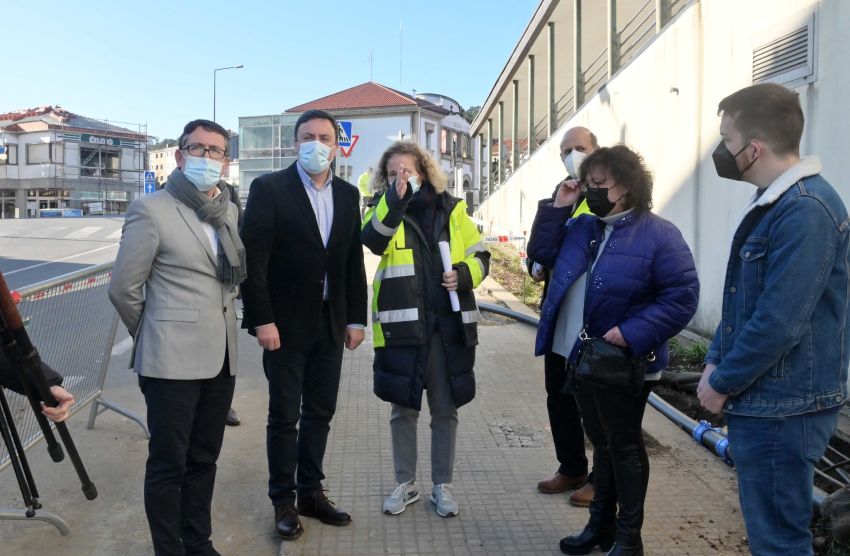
286	523
619	549
233	418
316	504
587	540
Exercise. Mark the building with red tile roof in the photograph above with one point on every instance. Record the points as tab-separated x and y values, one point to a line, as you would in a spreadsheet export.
371	117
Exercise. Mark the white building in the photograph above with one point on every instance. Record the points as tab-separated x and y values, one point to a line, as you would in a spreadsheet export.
650	75
53	160
162	162
371	117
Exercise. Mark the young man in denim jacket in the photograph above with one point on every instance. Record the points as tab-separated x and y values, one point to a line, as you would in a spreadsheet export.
778	362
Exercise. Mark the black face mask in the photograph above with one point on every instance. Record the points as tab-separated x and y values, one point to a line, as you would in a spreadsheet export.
724	162
598	203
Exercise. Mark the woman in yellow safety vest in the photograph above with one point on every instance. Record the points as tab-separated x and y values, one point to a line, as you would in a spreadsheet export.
420	341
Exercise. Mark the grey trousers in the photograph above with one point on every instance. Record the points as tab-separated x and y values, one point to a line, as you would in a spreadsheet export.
403	422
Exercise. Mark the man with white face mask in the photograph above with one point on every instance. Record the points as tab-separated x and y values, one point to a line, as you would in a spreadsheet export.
173	284
567	431
305	298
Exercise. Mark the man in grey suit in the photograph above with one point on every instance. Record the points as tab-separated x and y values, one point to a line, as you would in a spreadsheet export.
173	284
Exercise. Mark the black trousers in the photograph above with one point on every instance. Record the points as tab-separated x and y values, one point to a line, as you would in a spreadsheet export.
620	464
303	386
564	418
186	419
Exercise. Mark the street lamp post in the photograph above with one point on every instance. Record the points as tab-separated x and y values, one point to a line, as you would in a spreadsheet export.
215	71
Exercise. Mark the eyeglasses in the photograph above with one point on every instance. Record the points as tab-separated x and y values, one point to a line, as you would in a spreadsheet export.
597	186
216	153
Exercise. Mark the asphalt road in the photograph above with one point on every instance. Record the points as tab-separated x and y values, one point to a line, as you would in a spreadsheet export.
33	250
68	326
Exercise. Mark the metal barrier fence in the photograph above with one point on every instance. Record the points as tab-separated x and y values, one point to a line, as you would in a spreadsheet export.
72	324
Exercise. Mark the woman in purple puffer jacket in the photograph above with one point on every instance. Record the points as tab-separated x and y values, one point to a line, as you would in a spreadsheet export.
643	289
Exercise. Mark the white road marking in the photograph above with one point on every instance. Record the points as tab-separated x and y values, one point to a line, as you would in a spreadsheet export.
110	246
84	232
115	235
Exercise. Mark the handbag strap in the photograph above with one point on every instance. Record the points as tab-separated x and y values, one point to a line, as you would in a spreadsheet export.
594	247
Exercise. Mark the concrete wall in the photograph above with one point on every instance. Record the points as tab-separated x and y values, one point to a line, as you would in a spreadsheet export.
664	105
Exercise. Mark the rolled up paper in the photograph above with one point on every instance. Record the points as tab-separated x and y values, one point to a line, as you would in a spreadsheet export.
446	255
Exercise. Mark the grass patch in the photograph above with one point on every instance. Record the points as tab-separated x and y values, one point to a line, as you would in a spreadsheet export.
509	270
688	354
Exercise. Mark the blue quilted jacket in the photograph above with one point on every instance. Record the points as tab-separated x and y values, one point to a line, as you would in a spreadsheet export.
644	281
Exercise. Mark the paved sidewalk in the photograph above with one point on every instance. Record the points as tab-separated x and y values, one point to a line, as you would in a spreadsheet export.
504	448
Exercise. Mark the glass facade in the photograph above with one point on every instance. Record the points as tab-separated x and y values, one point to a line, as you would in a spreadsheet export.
266	144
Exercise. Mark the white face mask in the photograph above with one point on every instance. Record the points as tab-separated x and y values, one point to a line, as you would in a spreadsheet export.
314	156
413	182
572	162
203	172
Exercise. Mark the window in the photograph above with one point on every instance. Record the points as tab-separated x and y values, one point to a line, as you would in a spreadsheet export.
7	203
38	153
464	145
11	155
99	162
285	144
429	137
444	146
344	171
255	138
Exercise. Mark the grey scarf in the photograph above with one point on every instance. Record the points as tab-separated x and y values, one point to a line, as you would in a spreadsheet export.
231	252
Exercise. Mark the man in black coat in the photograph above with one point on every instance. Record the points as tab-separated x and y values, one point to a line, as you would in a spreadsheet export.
305	297
564	418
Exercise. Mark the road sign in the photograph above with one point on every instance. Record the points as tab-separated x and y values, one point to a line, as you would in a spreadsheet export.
347	152
345	129
150	182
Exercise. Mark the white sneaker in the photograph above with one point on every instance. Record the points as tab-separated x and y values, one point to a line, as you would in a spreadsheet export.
404	494
442	497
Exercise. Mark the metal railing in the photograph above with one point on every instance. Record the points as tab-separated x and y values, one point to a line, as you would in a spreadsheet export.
636	32
596	73
677	6
72	324
540	132
565	107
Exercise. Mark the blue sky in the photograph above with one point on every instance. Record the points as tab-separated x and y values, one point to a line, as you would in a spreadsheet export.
152	61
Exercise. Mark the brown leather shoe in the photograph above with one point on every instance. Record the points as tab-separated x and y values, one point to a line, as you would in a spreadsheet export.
561	483
582	497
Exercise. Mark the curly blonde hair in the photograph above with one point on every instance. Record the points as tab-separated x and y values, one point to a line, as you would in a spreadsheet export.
426	166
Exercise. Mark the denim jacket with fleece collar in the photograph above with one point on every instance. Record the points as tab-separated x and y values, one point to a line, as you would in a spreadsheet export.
782	345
